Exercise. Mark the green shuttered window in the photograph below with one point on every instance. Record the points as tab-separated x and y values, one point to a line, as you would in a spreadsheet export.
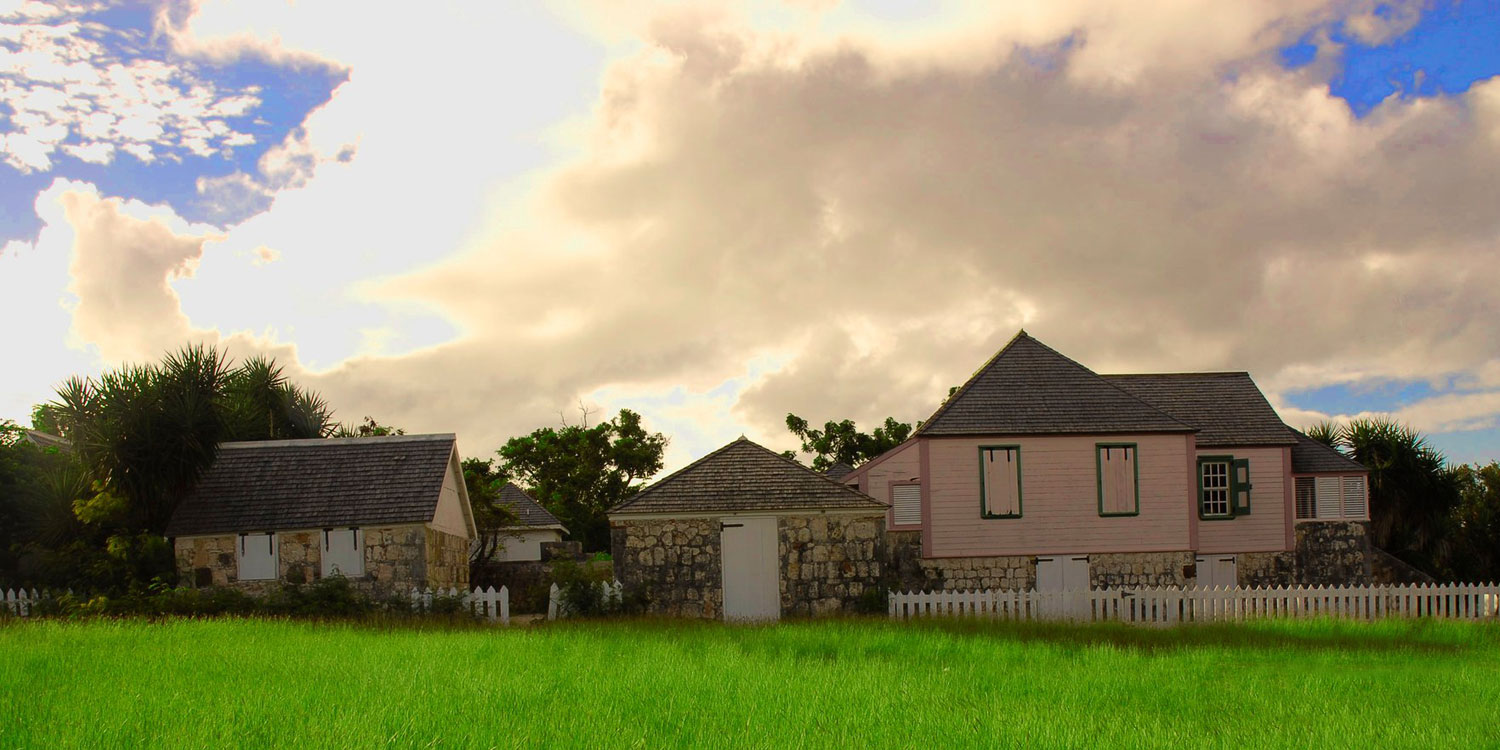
1223	487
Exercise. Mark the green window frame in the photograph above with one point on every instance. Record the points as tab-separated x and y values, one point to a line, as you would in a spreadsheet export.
1234	482
1013	452
1134	454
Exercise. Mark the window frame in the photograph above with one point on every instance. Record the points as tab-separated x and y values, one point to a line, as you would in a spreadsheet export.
1135	473
1316	479
1228	462
984	504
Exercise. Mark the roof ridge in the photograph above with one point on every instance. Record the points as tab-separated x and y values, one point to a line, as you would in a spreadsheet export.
1246	373
296	442
953	397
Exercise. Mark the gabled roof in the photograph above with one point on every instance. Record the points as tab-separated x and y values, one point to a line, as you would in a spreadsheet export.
744	476
1311	457
838	471
1226	407
320	483
528	511
1029	389
47	440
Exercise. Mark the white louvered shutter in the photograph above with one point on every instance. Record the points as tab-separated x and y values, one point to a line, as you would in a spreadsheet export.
906	504
1354	497
1330	499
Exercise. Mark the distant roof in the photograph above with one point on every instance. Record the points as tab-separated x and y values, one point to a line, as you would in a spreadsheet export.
1030	389
744	476
46	440
838	471
1226	407
1310	457
527	510
318	483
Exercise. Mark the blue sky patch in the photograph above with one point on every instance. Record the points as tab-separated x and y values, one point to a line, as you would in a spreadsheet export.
1389	395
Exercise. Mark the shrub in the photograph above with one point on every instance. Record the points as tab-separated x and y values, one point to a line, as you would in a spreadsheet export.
873	601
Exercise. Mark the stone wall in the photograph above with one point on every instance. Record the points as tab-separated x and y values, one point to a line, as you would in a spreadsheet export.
673	562
301	556
1140	569
1388	569
1265	568
827	562
907	570
396	558
207	560
1333	552
447	559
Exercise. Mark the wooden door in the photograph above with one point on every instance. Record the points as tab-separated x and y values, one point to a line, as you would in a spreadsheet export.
751	568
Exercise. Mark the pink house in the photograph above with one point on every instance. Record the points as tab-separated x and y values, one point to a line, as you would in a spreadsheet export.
1039	472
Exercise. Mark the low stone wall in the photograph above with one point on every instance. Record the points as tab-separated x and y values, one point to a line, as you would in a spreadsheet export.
1389	569
1139	569
447	559
1265	569
673	562
827	562
907	570
1333	552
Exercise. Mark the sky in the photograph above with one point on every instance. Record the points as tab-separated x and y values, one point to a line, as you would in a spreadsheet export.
503	216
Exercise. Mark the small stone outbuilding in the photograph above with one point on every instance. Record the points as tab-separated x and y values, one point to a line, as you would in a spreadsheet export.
745	533
389	513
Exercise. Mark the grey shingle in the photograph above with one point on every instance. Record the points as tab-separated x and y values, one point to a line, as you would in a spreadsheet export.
310	484
1310	456
1226	407
527	510
838	471
743	476
1030	389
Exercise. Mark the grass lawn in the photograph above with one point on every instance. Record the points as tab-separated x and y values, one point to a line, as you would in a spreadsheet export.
661	684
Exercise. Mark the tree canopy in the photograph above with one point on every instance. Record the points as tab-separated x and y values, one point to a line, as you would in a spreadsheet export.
843	442
579	472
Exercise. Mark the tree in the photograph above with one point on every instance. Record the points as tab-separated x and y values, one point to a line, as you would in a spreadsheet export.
484	482
843	442
144	435
368	428
1475	524
579	472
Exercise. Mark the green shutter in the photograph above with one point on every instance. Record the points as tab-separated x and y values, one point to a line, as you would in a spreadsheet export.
1239	486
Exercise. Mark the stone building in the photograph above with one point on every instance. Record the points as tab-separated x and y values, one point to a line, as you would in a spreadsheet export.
744	533
389	513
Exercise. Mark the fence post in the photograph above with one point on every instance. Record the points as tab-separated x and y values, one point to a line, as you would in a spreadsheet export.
552	602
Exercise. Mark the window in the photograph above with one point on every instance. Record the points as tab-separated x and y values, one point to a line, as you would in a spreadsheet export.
1330	498
343	552
1223	487
256	555
906	504
1116	465
1000	481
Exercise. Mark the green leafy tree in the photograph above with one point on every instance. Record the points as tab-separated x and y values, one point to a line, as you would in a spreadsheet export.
1476	524
579	472
843	442
368	428
484	483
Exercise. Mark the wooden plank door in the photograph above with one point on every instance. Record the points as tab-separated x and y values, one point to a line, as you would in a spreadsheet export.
751	569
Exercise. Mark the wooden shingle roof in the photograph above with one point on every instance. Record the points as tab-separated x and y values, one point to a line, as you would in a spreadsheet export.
1311	457
1030	389
527	510
744	476
311	484
1226	407
838	471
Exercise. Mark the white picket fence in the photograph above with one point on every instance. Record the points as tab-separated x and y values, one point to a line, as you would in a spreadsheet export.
486	604
555	609
1173	605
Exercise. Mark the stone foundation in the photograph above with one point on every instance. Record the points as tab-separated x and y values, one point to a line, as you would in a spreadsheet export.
827	562
1265	569
909	571
673	562
1118	570
1333	552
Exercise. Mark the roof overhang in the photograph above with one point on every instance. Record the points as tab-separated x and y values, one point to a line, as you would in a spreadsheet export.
872	511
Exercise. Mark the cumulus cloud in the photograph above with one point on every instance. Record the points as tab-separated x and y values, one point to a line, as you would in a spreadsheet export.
842	218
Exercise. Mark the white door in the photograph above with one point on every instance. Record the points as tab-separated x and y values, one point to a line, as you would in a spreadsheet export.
750	565
1062	573
1217	571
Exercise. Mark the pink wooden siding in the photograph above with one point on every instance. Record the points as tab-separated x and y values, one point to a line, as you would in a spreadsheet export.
901	465
1059	498
1265	529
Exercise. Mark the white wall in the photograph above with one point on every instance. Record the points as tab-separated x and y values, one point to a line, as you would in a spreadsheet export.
525	545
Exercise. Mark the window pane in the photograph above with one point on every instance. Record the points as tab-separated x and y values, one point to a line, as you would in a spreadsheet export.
1215	479
1306	498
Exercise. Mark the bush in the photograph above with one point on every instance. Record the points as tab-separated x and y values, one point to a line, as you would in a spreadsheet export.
873	601
581	590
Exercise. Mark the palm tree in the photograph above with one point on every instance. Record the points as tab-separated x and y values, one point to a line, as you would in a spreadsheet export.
1412	491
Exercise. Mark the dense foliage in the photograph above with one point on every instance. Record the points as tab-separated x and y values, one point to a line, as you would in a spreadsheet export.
842	442
579	472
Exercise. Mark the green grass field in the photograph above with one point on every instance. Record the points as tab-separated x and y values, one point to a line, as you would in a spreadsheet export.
659	684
